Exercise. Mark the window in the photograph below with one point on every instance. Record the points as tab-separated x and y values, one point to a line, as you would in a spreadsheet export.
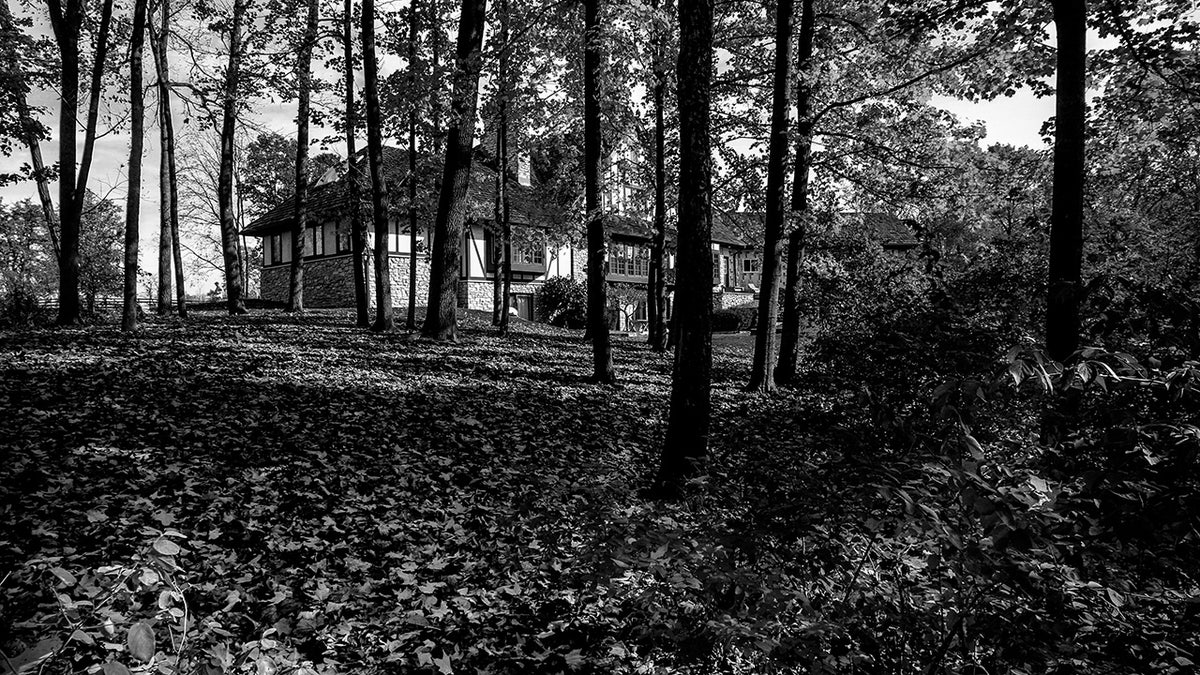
343	239
629	259
529	255
276	249
751	264
314	240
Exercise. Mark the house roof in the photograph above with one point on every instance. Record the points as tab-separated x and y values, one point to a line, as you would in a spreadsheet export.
891	231
333	197
625	227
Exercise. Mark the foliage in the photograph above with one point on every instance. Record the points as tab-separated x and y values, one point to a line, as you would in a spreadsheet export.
562	301
724	320
27	265
260	511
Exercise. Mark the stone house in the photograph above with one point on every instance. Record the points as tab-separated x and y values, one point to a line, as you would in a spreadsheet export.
328	270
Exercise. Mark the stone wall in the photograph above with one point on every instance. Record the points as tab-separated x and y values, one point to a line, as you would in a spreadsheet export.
329	282
729	299
478	293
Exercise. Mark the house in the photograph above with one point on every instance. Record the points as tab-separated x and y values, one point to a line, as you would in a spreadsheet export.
328	268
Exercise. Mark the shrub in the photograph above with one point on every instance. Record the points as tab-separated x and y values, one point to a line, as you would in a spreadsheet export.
724	320
562	301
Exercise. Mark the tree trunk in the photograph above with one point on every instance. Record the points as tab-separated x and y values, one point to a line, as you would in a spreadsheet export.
656	296
72	178
133	197
765	345
166	207
1066	216
503	273
170	189
413	34
789	349
358	233
597	262
230	254
304	85
441	314
379	193
686	443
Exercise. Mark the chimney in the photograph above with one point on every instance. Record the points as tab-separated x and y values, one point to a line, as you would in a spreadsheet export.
523	169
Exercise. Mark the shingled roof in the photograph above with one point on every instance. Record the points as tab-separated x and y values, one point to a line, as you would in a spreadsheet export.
333	197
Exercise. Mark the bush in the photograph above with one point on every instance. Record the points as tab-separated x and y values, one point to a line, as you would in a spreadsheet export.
562	301
724	320
19	307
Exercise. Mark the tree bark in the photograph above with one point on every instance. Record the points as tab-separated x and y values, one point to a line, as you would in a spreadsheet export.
765	341
503	273
170	191
789	348
67	23
1066	216
133	197
656	296
413	34
231	255
384	320
300	224
441	316
597	262
686	443
358	233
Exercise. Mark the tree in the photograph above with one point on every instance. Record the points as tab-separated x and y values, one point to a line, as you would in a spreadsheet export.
100	248
27	259
379	198
656	296
15	89
789	348
686	443
413	35
358	233
170	252
765	343
137	115
597	247
308	41
230	252
441	316
1066	218
67	22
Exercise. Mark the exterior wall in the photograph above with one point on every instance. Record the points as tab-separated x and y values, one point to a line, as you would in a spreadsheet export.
329	282
477	293
727	299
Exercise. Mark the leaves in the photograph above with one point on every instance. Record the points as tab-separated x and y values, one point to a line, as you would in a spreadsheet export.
140	641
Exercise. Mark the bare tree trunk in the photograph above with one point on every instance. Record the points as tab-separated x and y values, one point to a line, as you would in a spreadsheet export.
299	226
503	255
133	198
762	369
413	34
170	178
166	233
231	254
441	316
597	261
686	443
358	233
656	300
67	23
789	349
1066	217
379	196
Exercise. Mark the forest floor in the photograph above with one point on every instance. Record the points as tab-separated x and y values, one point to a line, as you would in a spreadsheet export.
304	492
289	494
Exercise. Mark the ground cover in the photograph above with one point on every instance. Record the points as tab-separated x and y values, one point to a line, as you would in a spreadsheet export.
281	494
